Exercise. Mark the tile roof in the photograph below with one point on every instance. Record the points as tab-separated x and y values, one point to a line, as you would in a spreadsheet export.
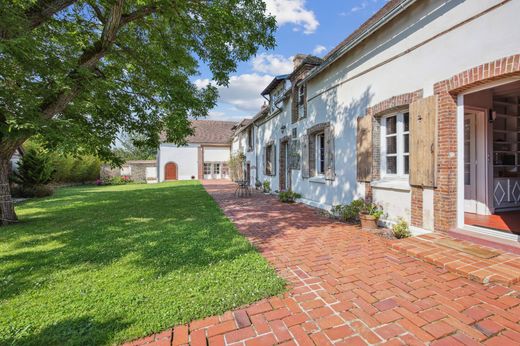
209	132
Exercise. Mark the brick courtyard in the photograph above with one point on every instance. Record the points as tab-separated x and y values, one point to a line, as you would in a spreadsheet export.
348	287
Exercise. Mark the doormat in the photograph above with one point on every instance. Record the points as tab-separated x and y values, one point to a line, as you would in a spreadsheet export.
469	249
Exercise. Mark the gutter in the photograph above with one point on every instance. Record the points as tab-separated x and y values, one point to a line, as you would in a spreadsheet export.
369	31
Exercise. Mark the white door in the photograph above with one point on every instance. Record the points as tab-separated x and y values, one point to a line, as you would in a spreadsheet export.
470	164
208	170
217	170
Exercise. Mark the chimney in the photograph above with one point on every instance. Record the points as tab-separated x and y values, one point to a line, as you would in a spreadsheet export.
298	59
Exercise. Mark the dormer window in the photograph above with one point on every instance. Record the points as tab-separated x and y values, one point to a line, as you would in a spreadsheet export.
275	99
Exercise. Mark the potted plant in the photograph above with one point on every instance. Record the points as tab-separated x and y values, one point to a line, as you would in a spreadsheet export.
369	216
266	186
258	184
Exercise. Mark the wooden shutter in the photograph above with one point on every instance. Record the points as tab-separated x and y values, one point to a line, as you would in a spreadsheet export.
305	156
264	159
423	141
364	147
273	159
329	153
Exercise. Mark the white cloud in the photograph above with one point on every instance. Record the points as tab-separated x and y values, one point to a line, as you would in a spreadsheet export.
293	12
319	49
273	64
243	92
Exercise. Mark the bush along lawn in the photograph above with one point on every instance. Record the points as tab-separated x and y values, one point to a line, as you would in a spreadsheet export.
104	265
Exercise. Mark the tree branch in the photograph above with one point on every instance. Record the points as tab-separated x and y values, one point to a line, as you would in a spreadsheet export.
42	10
138	14
98	11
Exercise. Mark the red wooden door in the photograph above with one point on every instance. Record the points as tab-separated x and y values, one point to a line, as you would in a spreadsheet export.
170	171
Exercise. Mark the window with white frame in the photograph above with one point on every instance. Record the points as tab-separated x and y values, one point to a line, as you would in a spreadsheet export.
395	142
216	168
320	153
207	168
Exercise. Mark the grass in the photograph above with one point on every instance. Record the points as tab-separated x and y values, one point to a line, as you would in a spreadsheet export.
103	265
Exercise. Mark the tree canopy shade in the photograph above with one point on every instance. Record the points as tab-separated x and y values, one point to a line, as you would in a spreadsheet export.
77	73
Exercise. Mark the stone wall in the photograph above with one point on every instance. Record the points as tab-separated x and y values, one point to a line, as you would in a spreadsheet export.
136	170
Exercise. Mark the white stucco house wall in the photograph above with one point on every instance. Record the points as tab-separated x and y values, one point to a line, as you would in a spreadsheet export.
205	156
308	138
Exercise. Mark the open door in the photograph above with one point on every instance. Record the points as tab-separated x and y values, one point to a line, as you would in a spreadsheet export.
470	164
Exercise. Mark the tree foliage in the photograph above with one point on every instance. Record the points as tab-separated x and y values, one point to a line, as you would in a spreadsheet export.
133	147
33	169
79	72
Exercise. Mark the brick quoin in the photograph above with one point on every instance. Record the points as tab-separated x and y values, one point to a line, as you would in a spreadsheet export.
445	195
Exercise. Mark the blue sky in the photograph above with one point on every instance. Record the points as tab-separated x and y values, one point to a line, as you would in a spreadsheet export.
304	26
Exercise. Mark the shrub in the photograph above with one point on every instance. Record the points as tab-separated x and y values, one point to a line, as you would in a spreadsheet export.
288	196
33	173
266	186
75	169
119	180
401	229
350	212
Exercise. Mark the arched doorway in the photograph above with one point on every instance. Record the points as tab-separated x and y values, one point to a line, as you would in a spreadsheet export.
170	171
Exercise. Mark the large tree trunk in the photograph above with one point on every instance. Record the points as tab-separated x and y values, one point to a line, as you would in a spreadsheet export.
7	213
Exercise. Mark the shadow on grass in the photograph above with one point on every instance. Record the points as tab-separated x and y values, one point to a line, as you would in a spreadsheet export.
79	331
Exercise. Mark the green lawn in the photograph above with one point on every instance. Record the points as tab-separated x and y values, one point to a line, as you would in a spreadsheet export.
103	265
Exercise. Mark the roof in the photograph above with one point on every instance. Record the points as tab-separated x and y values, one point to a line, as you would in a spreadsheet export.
308	60
390	5
261	113
244	123
209	132
276	80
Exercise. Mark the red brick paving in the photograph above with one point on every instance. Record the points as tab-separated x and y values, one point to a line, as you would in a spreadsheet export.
348	287
504	268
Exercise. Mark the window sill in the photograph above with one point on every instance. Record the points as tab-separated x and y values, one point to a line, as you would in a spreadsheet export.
318	180
401	184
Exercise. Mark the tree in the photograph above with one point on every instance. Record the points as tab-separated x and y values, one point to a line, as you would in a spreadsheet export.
133	147
76	73
33	170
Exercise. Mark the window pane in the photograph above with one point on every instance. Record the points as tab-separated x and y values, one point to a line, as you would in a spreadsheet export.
216	168
391	125
391	145
406	119
406	143
391	165
406	164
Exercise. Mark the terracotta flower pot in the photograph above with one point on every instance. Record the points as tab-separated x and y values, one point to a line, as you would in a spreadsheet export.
368	222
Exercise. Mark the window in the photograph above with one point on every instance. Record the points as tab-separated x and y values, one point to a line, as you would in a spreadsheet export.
320	153
294	133
269	160
275	99
216	168
395	130
250	138
301	100
207	168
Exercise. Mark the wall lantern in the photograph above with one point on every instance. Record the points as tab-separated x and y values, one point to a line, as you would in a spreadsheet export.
283	129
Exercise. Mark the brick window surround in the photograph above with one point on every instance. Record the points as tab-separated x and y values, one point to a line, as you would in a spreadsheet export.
445	195
392	105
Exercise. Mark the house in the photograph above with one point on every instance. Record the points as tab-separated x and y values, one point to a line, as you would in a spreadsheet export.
205	156
418	110
15	159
